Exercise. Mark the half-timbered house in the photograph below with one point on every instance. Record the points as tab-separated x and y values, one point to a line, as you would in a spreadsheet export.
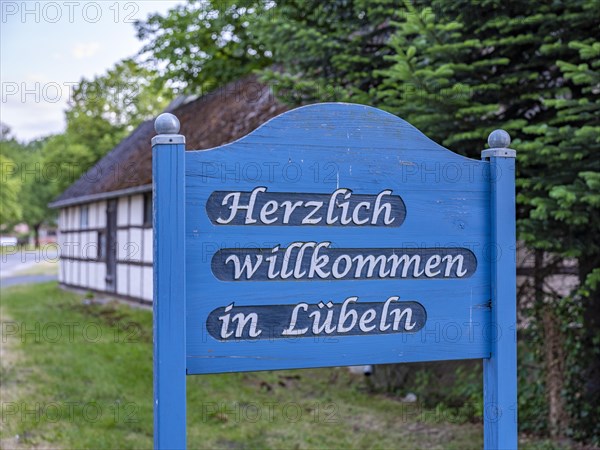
105	217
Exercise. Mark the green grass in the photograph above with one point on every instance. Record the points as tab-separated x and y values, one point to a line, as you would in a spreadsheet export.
79	375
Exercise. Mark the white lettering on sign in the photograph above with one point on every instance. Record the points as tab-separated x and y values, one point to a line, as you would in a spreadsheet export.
322	319
317	261
242	320
260	207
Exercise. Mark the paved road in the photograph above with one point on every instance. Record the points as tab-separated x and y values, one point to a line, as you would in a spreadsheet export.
13	261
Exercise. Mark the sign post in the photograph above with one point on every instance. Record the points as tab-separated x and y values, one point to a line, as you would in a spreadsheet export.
333	235
168	172
500	370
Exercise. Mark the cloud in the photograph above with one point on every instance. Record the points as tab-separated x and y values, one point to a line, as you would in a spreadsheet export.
85	50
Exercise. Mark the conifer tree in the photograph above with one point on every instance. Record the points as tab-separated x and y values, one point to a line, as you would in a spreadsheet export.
461	69
327	51
457	70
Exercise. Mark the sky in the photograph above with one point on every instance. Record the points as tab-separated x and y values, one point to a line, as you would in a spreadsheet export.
48	46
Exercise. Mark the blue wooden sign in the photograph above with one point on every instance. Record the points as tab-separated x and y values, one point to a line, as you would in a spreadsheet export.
333	235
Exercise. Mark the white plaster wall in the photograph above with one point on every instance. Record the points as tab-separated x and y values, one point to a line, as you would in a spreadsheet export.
137	210
123	211
65	265
148	245
69	279
71	244
84	270
93	275
134	245
77	243
122	249
61	271
90	251
135	281
82	248
122	278
82	245
101	214
73	218
147	285
61	219
60	238
93	215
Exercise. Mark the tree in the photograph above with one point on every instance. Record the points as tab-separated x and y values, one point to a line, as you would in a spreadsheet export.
327	51
47	171
205	44
105	109
562	197
10	208
22	167
64	161
457	70
11	152
102	112
462	69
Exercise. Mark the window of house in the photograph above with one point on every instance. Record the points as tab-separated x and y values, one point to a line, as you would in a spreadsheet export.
83	217
101	245
148	209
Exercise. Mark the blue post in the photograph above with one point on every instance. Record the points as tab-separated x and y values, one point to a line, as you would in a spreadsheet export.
500	370
168	172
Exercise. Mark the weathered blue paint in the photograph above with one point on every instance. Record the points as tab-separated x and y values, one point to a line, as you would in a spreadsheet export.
168	166
440	201
393	248
500	370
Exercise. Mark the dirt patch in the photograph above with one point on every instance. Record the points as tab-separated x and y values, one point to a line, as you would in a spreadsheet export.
111	314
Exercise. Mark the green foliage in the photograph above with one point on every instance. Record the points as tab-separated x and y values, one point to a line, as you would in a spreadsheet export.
38	190
460	398
205	44
457	70
107	108
10	208
104	359
14	162
329	51
63	161
532	401
33	181
102	112
90	386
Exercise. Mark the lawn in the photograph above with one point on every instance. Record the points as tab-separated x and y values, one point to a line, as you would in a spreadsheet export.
78	374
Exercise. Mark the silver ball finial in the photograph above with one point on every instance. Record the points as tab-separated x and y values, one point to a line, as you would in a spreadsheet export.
166	123
499	139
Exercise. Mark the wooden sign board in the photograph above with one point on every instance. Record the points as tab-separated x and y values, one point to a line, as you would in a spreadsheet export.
333	235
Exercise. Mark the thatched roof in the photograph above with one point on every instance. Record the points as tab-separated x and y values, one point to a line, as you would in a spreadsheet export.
214	119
